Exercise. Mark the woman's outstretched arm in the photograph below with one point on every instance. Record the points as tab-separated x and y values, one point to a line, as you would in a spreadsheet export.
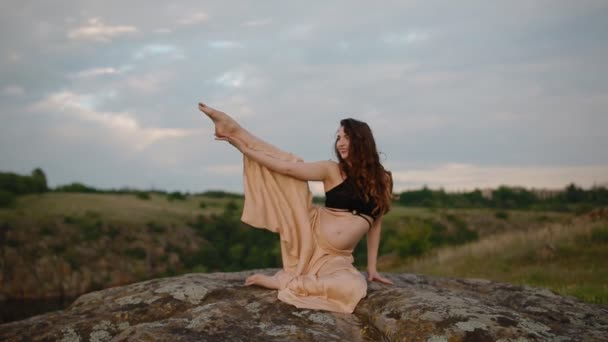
314	171
373	242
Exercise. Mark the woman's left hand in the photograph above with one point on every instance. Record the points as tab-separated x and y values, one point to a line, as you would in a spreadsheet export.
374	276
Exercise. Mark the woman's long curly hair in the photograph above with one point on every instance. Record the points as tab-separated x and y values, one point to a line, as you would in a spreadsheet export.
363	166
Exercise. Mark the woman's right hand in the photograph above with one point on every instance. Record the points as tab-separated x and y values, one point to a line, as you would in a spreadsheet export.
374	276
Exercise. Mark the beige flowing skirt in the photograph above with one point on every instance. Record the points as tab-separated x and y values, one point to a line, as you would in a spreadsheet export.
315	275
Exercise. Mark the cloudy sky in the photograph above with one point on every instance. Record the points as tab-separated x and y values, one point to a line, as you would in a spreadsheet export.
459	94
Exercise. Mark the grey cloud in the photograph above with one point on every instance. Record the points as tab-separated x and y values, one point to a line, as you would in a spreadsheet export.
95	29
478	83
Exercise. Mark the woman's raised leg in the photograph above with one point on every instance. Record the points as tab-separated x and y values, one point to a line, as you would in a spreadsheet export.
226	126
273	201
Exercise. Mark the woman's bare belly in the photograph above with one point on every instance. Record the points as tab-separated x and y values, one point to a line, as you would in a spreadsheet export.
342	229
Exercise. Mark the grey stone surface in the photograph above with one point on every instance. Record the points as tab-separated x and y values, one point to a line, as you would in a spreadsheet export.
217	307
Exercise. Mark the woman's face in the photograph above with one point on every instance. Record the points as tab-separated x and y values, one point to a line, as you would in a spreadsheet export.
342	143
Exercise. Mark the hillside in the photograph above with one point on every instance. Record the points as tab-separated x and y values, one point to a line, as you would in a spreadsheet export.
61	245
65	244
568	257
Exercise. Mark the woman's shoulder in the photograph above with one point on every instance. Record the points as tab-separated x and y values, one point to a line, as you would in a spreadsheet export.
334	172
334	167
330	165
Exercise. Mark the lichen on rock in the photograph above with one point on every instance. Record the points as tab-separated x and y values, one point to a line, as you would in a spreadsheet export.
185	292
216	306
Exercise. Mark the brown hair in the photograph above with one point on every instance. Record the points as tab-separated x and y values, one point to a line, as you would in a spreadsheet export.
370	177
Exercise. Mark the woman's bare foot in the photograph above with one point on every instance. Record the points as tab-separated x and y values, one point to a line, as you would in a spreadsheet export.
259	279
225	126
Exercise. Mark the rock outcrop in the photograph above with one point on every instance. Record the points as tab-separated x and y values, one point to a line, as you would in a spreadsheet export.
217	307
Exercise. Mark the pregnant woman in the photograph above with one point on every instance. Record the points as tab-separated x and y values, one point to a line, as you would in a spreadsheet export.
316	242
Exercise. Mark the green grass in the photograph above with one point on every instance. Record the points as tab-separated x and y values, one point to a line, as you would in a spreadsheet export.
574	263
117	208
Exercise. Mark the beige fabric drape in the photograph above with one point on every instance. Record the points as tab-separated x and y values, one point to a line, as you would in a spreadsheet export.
315	275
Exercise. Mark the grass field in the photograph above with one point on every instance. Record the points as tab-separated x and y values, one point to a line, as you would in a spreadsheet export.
125	208
569	258
560	251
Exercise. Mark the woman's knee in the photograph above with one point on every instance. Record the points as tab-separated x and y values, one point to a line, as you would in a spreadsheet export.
348	283
306	285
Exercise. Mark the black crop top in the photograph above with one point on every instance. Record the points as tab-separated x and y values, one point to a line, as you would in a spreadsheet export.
343	196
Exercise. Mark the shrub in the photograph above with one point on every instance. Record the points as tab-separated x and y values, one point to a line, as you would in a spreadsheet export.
76	187
230	245
90	226
74	260
136	253
600	235
220	194
39	181
231	206
143	195
192	260
583	208
21	184
92	214
462	233
199	269
413	240
7	199
155	228
47	231
91	230
503	215
176	195
58	249
170	272
69	219
13	243
113	231
542	218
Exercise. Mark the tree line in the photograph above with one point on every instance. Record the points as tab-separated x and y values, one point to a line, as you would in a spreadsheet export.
571	198
13	185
